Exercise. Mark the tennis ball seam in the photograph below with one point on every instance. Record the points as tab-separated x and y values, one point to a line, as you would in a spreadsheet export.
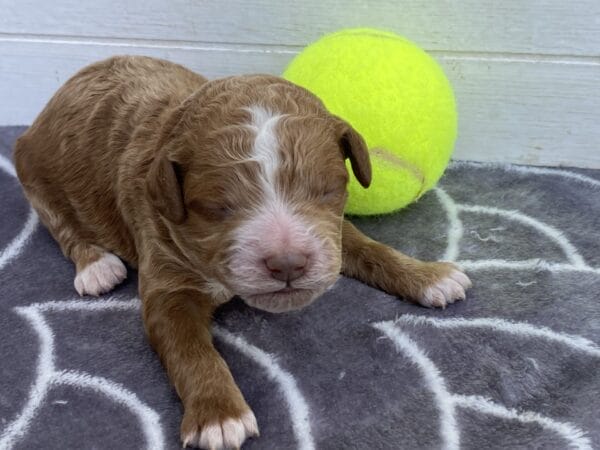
400	163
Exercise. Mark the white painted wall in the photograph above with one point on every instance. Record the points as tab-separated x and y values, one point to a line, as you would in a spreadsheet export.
526	72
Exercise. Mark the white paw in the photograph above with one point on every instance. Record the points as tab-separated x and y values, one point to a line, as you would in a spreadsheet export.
447	290
229	434
100	276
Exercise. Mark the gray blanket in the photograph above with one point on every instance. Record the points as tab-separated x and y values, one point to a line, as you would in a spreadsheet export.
516	365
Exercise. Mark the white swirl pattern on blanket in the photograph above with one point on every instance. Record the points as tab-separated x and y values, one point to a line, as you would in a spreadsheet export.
48	375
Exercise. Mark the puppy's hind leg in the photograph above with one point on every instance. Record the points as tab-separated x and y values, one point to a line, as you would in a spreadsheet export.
98	271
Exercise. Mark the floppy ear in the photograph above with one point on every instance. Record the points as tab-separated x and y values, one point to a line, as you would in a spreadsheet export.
354	147
164	181
164	186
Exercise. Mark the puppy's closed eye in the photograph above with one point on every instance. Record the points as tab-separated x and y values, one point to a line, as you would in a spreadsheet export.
331	189
333	194
211	210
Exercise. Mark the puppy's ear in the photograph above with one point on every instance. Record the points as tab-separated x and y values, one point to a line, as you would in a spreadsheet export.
354	147
164	181
164	185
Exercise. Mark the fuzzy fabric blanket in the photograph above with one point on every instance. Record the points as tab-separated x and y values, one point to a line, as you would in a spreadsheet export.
515	365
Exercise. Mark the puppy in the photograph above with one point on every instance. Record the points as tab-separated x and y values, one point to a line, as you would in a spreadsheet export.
211	189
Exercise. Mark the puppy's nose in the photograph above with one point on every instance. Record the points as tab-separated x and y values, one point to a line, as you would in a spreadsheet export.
287	266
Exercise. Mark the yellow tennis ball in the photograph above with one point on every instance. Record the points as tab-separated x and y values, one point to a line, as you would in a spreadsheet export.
397	97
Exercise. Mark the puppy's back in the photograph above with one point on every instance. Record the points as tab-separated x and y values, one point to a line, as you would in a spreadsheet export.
92	117
69	158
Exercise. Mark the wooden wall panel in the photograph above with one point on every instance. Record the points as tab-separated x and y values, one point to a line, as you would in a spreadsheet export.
526	73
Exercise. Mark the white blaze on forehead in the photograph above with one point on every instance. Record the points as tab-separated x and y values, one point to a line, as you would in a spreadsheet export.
274	227
273	219
277	226
265	150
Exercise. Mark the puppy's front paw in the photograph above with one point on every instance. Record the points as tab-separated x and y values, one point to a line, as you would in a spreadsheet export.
448	284
100	276
205	425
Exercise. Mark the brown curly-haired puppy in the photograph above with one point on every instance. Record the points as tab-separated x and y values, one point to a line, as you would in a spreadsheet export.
211	189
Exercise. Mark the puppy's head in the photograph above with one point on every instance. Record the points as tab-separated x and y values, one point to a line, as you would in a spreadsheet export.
250	179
